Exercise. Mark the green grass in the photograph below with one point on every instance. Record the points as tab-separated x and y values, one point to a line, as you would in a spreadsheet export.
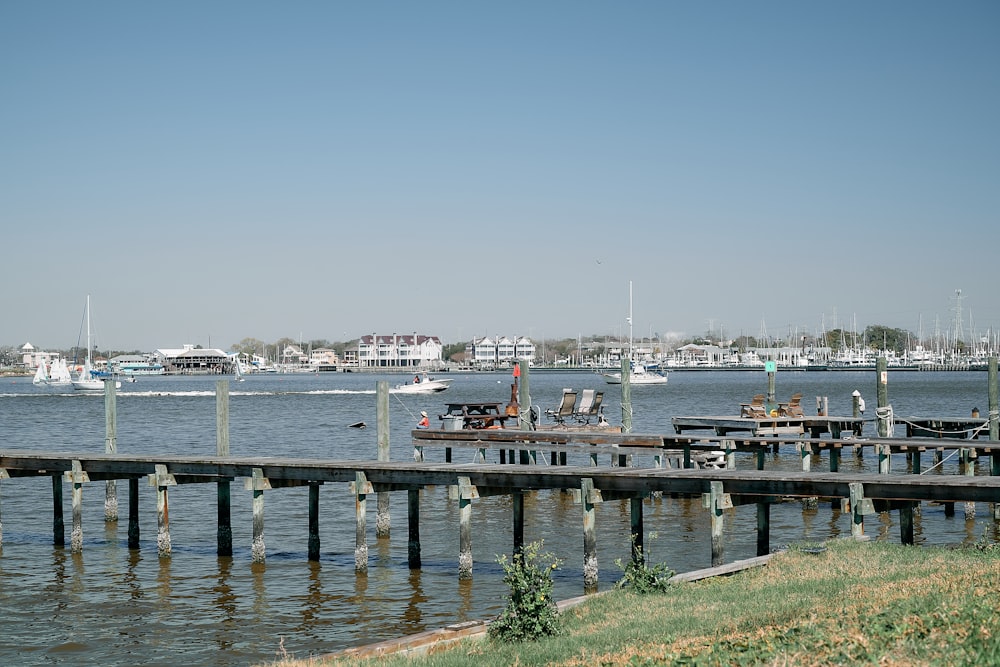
856	603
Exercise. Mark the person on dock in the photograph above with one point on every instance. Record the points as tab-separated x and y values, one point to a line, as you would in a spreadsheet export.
424	421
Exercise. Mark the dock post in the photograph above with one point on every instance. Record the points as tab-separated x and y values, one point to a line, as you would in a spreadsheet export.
915	462
884	453
413	526
110	447
882	392
360	487
382	519
77	477
133	513
3	475
257	483
994	398
626	395
906	523
763	528
729	447
161	479
466	493
588	498
969	467
314	541
835	458
860	506
635	519
224	520
805	453
58	527
523	397
716	502
517	510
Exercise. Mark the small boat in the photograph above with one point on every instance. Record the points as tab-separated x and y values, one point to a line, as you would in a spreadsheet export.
638	374
422	385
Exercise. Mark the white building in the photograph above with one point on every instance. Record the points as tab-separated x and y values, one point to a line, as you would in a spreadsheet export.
487	352
399	351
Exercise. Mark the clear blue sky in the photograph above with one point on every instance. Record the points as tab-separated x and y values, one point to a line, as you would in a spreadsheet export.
209	171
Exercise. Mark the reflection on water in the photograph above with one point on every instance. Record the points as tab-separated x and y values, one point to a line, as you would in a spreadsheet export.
197	608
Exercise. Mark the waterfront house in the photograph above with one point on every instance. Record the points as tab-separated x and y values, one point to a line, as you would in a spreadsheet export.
399	351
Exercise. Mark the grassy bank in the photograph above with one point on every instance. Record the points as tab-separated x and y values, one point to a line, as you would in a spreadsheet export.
854	603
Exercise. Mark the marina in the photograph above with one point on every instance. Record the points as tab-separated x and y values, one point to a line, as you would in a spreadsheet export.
315	605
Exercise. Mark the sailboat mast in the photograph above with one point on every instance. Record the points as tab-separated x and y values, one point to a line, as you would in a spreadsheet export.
89	360
630	320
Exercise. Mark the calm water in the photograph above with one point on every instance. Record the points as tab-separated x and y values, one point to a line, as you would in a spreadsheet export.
112	606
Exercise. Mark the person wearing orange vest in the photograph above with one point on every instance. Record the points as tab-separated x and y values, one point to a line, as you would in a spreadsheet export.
424	422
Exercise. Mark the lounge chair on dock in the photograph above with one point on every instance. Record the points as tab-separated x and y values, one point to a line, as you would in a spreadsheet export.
793	408
590	406
755	409
566	409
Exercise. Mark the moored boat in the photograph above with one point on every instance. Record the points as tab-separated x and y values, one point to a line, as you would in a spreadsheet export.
422	385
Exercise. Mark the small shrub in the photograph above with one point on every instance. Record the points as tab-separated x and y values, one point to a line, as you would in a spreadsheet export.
531	612
642	579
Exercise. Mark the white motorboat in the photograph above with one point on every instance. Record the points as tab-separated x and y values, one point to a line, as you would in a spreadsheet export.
638	374
422	385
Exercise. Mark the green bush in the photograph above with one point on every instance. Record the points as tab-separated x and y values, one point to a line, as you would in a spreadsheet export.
531	611
642	579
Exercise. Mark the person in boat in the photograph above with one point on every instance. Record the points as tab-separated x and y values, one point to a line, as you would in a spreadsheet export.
424	422
416	379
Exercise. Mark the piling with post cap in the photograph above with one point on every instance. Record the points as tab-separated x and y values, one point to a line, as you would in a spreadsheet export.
413	528
466	493
589	496
382	519
223	492
717	502
58	527
361	487
772	401
77	476
314	542
110	447
161	479
882	393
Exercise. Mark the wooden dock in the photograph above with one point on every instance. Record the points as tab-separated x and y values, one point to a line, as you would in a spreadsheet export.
815	426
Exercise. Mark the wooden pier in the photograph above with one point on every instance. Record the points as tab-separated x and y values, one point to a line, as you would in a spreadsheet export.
591	484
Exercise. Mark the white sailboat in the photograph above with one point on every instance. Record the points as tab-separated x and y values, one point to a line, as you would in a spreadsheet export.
41	375
55	375
638	373
237	368
86	380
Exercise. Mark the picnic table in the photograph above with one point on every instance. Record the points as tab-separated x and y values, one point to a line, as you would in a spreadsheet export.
475	415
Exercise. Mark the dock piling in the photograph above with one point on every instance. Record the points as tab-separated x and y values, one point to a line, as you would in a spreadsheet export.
77	477
466	494
383	521
110	447
360	487
589	497
224	519
161	479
